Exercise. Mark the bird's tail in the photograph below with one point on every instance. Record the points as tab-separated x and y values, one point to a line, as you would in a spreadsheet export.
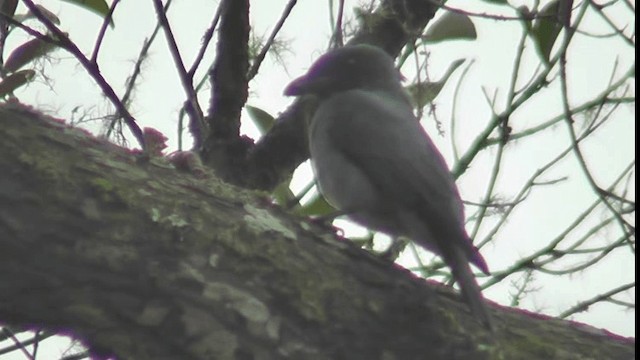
471	292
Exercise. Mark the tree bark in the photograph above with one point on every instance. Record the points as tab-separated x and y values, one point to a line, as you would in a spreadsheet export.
144	262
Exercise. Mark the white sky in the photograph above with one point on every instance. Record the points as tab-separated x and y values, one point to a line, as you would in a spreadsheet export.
547	212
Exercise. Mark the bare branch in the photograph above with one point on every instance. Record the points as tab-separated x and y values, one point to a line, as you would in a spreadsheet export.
584	305
337	39
137	69
263	52
196	114
92	69
103	30
206	39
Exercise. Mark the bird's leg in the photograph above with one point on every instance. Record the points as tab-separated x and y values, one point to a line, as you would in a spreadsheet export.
325	221
328	218
398	244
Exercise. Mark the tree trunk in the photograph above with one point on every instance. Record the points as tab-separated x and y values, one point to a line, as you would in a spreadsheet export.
144	262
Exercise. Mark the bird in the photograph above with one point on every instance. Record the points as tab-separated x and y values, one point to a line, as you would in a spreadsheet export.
375	163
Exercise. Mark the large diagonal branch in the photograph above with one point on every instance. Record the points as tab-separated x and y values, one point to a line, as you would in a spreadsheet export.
145	262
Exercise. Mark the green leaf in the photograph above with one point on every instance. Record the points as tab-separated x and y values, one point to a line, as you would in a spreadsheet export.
546	29
26	53
99	7
318	206
451	26
497	2
45	12
525	16
425	92
263	120
283	194
14	81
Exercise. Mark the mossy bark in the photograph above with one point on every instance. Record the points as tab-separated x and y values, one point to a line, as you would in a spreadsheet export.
145	262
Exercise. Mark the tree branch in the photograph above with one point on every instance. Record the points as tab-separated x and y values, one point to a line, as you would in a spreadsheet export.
144	262
92	69
223	147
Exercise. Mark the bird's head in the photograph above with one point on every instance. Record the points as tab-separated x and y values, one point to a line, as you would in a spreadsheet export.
347	68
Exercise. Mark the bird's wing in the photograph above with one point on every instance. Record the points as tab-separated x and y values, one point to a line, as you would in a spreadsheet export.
381	136
400	160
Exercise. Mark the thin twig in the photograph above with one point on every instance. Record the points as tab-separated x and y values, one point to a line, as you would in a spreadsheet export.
627	228
103	30
17	342
528	262
495	172
337	39
503	123
185	79
533	182
480	141
619	32
456	92
263	52
92	69
137	69
584	305
206	40
479	15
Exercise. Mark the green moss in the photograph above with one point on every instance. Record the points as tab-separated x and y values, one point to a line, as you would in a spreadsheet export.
261	220
102	184
106	191
48	167
533	345
310	302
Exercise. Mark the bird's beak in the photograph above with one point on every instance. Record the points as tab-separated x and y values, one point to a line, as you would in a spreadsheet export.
306	84
296	87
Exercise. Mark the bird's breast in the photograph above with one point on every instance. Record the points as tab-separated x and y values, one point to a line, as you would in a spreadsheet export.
348	188
341	182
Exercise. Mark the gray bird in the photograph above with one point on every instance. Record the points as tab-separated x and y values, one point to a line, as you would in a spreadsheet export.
374	162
